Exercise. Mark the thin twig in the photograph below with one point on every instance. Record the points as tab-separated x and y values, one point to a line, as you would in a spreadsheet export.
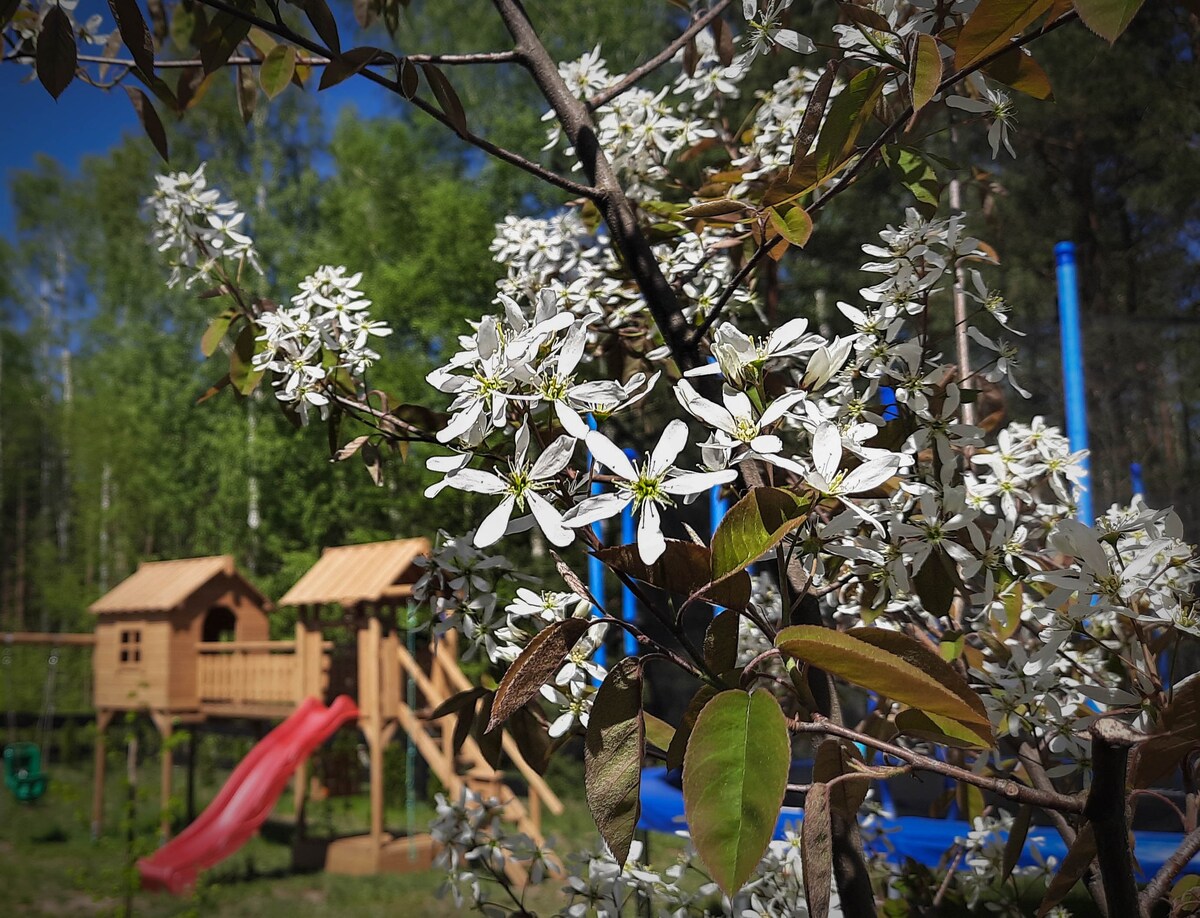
632	78
505	155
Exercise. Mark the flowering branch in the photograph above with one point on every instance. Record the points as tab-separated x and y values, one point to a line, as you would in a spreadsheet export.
637	74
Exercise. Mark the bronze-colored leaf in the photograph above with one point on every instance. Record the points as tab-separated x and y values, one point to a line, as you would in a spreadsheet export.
816	850
613	753
346	65
1079	857
721	641
56	52
153	127
447	98
538	662
135	33
683	569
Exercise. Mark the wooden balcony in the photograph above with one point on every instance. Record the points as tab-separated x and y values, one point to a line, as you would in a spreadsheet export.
258	678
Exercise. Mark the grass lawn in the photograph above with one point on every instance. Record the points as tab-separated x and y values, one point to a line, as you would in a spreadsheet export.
50	866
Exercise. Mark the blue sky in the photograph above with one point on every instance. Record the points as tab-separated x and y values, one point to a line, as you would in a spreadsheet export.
83	120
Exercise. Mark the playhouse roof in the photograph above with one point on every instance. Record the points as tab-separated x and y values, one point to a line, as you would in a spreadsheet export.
358	573
159	586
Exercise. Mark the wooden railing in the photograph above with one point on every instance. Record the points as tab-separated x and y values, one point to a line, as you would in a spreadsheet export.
247	672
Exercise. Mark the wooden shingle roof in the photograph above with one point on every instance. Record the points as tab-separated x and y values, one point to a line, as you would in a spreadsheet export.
159	586
352	574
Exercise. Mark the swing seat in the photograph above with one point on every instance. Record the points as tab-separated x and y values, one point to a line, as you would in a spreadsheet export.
23	773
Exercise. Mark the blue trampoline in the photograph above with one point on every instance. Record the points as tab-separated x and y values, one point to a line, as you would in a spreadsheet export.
921	838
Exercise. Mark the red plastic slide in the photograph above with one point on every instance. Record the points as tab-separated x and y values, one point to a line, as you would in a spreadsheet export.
247	797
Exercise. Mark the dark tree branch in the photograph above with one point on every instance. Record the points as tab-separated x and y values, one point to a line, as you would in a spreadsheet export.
1032	760
1171	868
634	76
1105	809
618	213
1012	790
727	294
508	156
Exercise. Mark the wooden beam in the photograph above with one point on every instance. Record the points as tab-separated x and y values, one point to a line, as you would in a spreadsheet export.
48	638
164	722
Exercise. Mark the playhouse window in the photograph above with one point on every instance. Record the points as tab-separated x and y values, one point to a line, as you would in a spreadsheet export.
131	646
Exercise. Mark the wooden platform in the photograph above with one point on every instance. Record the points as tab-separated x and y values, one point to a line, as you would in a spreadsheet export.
360	856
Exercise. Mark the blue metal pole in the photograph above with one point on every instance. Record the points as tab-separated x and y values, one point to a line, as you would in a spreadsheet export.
595	565
1072	358
628	601
1135	479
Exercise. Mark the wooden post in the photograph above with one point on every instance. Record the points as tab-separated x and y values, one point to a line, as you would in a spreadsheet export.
103	719
369	640
191	773
162	720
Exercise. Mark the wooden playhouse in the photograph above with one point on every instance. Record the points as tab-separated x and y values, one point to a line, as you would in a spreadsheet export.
184	641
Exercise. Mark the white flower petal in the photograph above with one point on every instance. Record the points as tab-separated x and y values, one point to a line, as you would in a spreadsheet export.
491	530
650	541
609	454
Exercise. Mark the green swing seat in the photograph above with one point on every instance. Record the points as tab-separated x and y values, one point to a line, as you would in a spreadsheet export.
23	771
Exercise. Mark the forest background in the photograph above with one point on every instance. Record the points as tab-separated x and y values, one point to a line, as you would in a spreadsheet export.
106	459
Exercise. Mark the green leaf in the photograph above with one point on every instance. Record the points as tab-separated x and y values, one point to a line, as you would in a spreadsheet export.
878	669
153	127
134	33
1018	70
847	115
277	69
215	332
346	65
683	569
721	641
612	756
242	374
447	98
56	52
794	224
935	729
816	850
734	777
754	525
926	660
679	740
658	732
1108	18
924	70
992	26
538	662
914	172
718	208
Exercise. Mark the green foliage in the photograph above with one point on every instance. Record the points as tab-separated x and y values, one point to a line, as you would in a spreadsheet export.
734	776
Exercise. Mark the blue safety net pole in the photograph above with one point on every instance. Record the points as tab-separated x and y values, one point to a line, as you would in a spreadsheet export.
595	565
628	601
1072	359
1135	479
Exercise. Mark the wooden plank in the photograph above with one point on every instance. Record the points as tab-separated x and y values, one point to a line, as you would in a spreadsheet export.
64	639
537	784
